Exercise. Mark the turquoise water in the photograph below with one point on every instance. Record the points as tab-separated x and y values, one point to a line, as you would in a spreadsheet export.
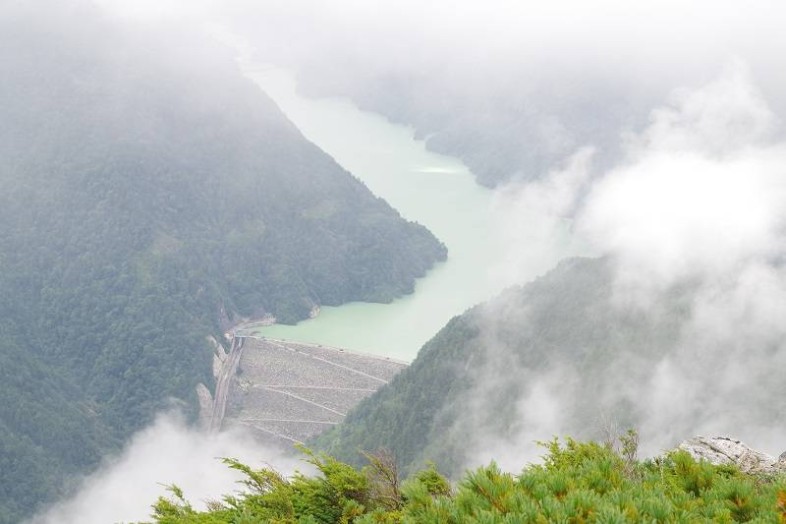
435	190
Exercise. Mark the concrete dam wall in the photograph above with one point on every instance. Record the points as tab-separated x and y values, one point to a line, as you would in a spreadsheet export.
287	392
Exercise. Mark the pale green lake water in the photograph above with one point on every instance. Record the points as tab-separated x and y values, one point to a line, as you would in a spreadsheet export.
435	190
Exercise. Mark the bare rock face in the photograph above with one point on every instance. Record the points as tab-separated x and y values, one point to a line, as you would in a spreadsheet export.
725	450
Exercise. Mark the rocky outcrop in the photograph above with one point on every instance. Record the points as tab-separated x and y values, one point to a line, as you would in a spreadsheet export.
725	450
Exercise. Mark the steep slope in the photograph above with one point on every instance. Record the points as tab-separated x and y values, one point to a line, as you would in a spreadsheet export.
561	355
149	195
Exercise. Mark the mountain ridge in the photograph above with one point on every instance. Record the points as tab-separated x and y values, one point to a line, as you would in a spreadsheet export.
147	187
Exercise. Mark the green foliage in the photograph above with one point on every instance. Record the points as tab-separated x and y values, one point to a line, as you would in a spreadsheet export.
147	204
578	482
337	495
432	481
402	414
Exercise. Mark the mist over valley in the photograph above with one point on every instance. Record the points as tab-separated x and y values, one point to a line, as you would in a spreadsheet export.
415	239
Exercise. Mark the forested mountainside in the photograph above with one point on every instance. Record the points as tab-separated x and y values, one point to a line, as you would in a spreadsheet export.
564	354
149	195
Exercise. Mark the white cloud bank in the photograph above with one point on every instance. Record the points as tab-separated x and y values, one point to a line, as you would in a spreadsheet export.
168	452
702	189
699	199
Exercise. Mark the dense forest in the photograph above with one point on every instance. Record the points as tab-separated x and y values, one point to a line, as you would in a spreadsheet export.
562	355
149	197
577	482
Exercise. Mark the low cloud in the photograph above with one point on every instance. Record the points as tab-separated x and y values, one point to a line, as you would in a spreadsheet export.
168	452
693	215
701	191
535	220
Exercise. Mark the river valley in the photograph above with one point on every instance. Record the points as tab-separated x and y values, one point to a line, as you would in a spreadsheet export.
435	190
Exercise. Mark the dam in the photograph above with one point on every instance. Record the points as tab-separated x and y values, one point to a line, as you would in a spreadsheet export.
284	382
286	392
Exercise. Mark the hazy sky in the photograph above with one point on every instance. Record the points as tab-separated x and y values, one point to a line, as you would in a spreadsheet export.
645	43
543	78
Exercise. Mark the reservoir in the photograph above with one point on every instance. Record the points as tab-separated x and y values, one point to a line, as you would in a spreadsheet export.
435	190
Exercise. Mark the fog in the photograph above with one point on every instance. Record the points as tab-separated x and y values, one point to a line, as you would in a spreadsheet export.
697	207
168	452
701	189
655	127
513	88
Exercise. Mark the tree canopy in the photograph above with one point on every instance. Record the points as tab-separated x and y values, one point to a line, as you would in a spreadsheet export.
577	482
150	196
